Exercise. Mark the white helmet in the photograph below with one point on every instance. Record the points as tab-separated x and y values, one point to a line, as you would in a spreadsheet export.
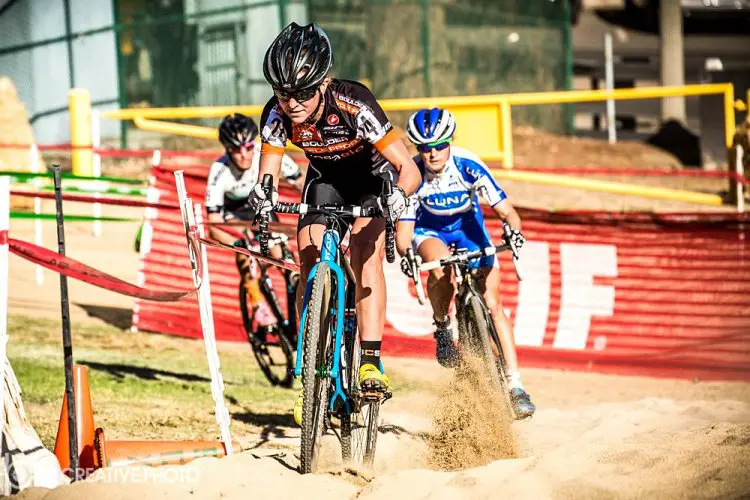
430	125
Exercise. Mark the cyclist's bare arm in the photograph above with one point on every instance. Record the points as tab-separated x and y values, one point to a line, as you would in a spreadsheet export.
270	162
506	212
404	233
398	156
216	233
297	184
291	172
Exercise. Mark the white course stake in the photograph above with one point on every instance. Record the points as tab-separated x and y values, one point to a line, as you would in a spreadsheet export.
206	313
4	253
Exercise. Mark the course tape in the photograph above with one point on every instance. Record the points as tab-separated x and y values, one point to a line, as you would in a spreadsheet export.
19	176
72	218
93	199
79	271
289	266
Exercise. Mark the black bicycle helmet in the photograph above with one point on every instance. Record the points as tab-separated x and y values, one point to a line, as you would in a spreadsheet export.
237	130
299	58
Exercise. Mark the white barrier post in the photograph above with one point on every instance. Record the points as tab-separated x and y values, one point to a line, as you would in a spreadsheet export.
206	312
609	64
35	168
4	253
156	158
738	168
96	142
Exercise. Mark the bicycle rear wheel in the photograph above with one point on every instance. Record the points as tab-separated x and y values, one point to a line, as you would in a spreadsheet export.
316	361
359	430
272	349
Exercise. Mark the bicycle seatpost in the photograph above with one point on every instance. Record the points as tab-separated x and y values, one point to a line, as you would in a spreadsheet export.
390	251
267	185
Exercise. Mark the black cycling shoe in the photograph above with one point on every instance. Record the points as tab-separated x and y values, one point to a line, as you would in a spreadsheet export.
522	405
446	352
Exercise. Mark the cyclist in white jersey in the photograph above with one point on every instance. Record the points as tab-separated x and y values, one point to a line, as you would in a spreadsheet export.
231	179
445	211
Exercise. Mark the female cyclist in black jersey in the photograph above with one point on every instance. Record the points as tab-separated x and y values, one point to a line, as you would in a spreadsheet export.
352	147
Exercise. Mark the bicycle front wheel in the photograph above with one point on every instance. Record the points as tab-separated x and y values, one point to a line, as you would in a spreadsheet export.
479	326
316	360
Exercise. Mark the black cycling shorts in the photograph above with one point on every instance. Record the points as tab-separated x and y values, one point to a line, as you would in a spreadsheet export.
341	190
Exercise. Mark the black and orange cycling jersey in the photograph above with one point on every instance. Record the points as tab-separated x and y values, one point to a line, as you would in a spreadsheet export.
344	146
345	141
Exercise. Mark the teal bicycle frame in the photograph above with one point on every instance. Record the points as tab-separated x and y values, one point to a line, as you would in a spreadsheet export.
330	254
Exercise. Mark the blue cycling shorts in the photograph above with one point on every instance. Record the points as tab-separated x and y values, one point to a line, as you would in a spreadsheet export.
470	235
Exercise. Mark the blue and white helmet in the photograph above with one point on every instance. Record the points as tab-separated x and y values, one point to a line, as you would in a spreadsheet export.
430	125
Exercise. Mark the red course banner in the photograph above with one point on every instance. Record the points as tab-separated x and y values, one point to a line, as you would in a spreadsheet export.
640	294
77	270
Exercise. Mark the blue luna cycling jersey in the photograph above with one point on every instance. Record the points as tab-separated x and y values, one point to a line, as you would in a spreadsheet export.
446	205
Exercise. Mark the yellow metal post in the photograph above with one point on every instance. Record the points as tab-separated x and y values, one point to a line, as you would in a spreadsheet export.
729	122
79	107
506	134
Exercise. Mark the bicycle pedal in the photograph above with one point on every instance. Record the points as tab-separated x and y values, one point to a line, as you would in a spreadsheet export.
375	394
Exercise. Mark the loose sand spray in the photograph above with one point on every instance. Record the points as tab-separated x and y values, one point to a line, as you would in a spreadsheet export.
471	423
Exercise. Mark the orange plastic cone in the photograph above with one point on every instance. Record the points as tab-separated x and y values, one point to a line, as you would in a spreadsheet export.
84	423
116	453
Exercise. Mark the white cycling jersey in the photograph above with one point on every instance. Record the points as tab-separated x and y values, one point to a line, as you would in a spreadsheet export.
444	201
229	187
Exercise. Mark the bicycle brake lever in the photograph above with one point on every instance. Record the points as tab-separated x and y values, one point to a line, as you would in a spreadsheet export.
390	251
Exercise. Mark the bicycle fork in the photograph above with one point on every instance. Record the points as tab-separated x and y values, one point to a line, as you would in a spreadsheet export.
329	256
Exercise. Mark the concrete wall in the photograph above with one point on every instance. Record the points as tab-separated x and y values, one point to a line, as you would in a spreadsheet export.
42	74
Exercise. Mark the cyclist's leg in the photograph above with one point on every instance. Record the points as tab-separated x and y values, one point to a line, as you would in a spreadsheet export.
439	285
431	246
367	250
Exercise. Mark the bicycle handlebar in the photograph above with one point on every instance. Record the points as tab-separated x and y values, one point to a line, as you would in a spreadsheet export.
390	250
263	218
343	210
483	252
340	210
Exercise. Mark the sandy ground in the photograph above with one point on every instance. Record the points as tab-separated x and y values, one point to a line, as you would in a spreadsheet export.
594	436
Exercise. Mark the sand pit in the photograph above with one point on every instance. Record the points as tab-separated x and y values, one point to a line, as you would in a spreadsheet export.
595	436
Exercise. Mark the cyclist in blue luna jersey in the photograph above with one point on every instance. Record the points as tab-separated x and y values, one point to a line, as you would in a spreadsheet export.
445	211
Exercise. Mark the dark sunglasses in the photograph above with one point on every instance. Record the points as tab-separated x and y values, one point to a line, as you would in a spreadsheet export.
299	96
426	148
245	147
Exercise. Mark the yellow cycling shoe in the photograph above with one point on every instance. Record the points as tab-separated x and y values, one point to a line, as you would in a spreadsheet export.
372	379
298	408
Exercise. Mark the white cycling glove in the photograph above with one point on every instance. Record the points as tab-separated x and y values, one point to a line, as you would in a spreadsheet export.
259	202
407	265
516	238
396	203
